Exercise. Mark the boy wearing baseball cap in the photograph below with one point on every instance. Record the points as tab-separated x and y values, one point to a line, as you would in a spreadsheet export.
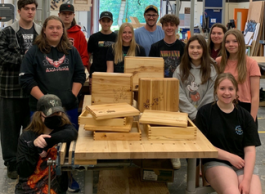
74	33
99	43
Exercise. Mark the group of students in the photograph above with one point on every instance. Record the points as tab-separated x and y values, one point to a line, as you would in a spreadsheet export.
219	89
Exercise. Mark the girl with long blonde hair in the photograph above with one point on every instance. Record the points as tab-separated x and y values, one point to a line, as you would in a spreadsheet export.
125	46
245	69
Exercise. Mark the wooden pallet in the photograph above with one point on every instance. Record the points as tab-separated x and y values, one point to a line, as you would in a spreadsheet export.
108	111
133	135
87	119
111	88
143	67
124	128
158	94
155	132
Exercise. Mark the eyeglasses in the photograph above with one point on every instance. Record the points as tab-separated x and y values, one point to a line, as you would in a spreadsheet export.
149	15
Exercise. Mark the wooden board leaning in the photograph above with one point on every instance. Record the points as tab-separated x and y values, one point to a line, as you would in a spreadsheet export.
158	94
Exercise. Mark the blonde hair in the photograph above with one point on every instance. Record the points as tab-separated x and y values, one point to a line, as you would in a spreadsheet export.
117	47
241	55
36	125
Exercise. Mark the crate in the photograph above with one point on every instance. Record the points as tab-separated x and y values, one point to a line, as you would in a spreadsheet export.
124	128
111	88
156	132
85	118
133	135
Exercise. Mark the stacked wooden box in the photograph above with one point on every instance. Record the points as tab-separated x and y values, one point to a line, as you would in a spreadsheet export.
165	125
111	121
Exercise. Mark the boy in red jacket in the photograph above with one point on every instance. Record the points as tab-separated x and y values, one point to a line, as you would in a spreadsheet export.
74	33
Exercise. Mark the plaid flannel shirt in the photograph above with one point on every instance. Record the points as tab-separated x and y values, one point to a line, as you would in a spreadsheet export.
11	54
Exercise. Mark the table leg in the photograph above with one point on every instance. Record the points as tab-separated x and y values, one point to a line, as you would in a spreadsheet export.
191	176
88	182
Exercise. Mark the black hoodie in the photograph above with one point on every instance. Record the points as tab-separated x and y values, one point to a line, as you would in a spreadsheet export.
53	73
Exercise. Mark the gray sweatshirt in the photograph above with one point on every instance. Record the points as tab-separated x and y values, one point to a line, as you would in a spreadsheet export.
193	94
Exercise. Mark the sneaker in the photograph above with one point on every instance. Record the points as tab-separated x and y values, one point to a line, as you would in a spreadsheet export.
12	171
73	186
176	163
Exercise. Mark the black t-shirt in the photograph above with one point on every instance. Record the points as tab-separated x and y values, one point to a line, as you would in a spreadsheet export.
28	36
171	53
228	131
119	67
98	44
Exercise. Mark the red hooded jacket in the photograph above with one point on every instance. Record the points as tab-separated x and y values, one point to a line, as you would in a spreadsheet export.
77	38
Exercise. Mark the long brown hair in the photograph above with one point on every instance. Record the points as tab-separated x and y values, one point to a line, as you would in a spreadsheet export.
206	60
117	47
36	125
241	55
222	77
210	42
42	42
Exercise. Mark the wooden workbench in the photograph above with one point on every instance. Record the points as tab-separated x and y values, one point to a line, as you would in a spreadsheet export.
87	151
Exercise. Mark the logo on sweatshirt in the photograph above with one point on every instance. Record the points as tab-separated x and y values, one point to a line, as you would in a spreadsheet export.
56	64
239	130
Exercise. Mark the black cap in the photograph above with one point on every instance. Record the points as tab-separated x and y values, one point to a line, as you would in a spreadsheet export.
67	7
106	14
49	104
151	7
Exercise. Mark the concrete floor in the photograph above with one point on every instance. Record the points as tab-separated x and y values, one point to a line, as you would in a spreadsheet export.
177	187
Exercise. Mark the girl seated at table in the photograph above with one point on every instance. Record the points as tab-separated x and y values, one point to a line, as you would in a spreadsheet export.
125	46
245	70
231	129
49	126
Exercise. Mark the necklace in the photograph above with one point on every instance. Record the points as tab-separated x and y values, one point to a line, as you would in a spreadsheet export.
169	44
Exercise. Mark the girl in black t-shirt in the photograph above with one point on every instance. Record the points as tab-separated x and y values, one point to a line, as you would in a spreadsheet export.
231	129
125	46
49	126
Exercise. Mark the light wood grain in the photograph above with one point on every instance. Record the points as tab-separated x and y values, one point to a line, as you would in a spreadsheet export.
108	111
71	151
127	181
133	135
62	152
111	88
144	67
87	149
158	117
121	128
172	133
158	94
87	119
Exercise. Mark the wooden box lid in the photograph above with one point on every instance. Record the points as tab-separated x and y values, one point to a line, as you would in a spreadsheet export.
164	118
143	67
108	111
